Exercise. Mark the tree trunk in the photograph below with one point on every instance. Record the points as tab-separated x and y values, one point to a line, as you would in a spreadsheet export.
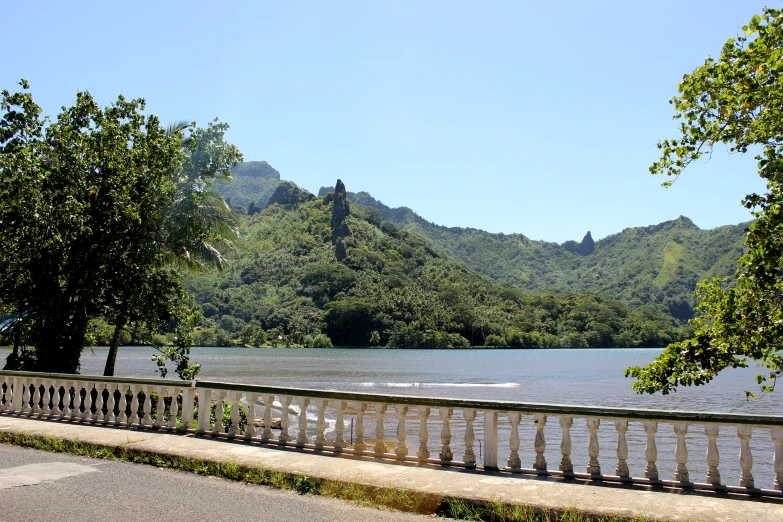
111	359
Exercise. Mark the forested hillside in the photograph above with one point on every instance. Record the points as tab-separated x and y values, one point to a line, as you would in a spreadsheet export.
318	271
658	264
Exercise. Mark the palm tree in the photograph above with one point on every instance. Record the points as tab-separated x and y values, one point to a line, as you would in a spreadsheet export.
200	230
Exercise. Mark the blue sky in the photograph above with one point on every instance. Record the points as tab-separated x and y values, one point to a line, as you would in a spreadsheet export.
506	116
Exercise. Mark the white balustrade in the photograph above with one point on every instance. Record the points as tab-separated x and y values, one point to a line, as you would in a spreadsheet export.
128	403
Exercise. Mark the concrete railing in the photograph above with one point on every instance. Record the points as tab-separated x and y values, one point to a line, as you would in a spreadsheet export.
411	429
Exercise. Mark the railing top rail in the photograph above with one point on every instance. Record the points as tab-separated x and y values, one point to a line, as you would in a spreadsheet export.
695	417
96	378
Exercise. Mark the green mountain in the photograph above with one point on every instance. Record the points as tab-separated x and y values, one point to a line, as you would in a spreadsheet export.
254	182
655	265
322	271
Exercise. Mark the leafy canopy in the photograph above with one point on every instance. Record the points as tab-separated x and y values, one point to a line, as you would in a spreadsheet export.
736	100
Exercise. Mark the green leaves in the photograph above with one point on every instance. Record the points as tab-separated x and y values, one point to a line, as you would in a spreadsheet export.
736	100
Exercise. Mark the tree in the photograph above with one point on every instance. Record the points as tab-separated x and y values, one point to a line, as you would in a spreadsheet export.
198	232
84	204
736	100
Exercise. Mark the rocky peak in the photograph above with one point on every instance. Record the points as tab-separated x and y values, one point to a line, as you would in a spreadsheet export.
585	248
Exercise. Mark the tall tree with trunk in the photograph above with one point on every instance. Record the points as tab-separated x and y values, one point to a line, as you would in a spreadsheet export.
198	234
82	202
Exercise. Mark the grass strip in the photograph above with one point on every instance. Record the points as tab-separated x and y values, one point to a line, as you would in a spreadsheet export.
365	495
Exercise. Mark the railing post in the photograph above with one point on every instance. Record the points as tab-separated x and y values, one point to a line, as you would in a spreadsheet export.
320	425
380	429
160	410
777	459
45	409
173	409
36	396
18	396
217	429
681	453
566	466
423	453
301	437
594	467
234	428
87	413
26	396
134	416
445	435
514	461
469	457
250	429
359	445
713	457
110	403
204	410
66	409
401	451
744	433
539	419
339	426
146	418
266	434
490	439
285	420
188	406
621	425
651	451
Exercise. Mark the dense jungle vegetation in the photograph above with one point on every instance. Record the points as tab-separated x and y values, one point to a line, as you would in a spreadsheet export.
389	288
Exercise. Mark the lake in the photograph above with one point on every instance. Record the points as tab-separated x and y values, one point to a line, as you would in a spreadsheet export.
561	376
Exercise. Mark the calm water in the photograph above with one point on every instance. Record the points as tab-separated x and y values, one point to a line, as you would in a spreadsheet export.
583	376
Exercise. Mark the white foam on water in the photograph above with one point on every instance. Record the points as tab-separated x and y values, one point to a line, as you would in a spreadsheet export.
438	385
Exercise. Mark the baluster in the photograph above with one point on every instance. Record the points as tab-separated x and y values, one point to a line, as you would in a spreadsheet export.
134	417
320	426
173	409
3	394
566	466
423	453
359	445
160	408
651	451
110	404
745	457
36	396
713	457
204	410
57	411
445	435
250	429
66	400
100	402
514	462
681	452
301	437
267	433
285	402
777	460
188	406
380	429
339	426
25	396
76	412
594	467
402	431
540	442
469	457
234	428
87	414
146	418
122	406
219	412
47	397
16	395
621	425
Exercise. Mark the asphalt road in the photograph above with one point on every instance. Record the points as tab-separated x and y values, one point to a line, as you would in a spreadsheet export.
42	486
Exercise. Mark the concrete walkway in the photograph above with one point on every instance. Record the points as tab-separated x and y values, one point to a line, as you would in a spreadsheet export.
542	493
